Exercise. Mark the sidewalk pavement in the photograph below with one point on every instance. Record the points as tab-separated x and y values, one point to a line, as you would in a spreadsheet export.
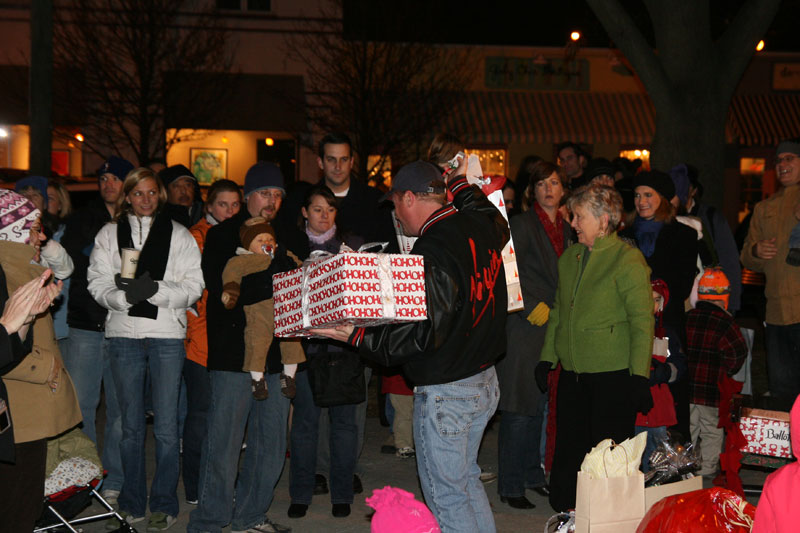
377	471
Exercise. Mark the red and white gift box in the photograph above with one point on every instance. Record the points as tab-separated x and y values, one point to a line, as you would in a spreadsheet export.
362	289
766	432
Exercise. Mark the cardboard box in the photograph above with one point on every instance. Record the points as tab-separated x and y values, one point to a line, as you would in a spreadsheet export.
766	433
362	289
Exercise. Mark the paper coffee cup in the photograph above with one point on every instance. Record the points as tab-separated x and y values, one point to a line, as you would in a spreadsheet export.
130	258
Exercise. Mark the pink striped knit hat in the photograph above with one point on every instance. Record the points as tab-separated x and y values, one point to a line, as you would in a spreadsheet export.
17	215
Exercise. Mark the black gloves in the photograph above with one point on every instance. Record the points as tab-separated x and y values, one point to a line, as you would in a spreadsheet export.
640	394
542	371
659	372
137	289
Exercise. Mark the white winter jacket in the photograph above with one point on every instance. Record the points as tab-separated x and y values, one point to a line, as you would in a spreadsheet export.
181	287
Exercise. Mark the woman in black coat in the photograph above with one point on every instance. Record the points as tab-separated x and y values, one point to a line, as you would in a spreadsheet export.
540	236
670	249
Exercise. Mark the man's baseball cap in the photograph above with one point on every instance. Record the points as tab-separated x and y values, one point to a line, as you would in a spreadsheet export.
116	166
419	176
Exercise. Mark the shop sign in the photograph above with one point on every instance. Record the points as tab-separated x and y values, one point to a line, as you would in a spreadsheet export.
534	74
786	76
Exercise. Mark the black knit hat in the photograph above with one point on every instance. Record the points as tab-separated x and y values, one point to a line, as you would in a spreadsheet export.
597	167
174	173
657	180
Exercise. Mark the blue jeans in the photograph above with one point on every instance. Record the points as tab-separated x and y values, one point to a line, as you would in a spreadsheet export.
449	421
654	437
783	361
130	359
86	358
232	409
198	399
343	441
518	452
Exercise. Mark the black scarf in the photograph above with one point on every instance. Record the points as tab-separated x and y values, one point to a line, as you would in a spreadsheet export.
153	257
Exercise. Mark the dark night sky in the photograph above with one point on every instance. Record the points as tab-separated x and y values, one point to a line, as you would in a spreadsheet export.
529	23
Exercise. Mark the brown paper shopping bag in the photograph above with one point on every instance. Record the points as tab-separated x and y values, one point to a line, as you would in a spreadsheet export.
605	505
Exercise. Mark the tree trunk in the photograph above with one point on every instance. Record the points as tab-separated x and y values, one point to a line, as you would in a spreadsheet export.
690	128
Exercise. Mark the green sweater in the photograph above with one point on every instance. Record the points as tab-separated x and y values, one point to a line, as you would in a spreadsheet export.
602	319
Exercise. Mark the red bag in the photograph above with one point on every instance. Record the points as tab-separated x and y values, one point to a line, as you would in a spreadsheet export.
701	511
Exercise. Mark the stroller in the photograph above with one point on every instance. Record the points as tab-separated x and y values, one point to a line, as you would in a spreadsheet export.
74	476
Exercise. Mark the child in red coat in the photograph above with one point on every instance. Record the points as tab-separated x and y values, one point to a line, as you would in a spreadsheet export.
667	366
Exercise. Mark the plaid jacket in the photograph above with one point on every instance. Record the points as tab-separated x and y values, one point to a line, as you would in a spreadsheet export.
714	347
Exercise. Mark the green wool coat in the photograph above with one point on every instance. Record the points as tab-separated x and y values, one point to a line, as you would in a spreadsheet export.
602	319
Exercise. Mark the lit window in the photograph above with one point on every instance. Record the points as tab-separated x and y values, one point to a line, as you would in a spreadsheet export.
380	170
637	153
493	160
752	171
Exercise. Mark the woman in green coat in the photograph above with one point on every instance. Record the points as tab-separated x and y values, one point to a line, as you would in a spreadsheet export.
601	331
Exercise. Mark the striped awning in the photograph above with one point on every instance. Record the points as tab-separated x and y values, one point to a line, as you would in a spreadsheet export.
496	117
765	119
551	117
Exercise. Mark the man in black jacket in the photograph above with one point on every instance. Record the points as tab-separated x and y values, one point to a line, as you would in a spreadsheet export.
86	351
184	203
233	406
450	356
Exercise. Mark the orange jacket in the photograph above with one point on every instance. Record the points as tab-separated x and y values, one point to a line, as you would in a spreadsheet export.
196	337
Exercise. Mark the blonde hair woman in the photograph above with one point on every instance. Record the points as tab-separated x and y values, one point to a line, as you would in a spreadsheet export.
146	325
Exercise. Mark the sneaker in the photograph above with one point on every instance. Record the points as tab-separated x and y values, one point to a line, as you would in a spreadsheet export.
267	526
112	524
191	502
406	453
487	477
160	521
288	387
259	389
110	496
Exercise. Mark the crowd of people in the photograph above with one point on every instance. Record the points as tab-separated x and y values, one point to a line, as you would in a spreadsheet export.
630	286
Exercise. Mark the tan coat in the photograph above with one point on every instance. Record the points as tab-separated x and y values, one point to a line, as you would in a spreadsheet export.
260	320
774	217
36	411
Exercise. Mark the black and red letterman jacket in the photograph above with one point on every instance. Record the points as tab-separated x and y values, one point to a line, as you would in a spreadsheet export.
465	289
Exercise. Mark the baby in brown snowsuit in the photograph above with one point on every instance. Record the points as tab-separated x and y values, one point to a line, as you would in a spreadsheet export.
256	255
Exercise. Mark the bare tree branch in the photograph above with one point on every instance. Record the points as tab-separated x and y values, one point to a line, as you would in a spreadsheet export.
623	31
736	46
125	55
387	95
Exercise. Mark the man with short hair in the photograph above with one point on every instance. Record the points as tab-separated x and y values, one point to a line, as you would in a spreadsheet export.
86	355
450	356
233	406
359	211
184	204
572	157
766	250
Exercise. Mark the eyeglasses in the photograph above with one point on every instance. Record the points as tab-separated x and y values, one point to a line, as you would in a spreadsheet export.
273	194
786	159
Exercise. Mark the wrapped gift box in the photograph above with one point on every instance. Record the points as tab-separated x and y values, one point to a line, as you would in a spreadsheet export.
362	289
766	432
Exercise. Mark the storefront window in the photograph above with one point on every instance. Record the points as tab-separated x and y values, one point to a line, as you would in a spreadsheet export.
380	170
637	153
752	172
493	160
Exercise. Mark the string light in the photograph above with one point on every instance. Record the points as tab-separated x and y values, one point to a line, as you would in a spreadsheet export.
269	141
760	45
79	137
575	35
